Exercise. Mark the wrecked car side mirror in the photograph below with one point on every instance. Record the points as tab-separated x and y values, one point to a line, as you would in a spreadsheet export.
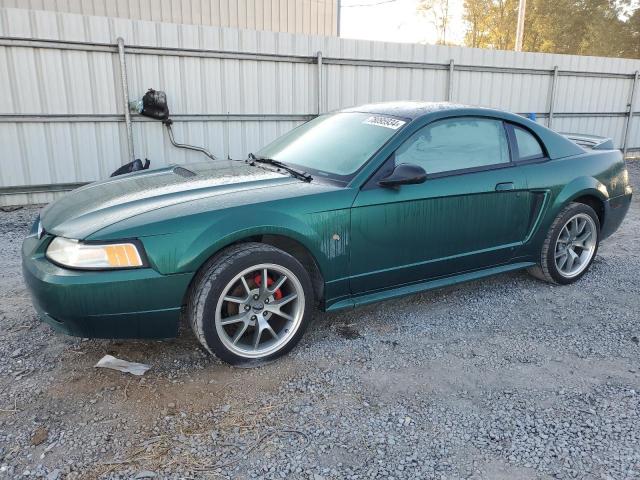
154	105
132	167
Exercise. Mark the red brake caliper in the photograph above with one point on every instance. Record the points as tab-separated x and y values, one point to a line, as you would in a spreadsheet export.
258	281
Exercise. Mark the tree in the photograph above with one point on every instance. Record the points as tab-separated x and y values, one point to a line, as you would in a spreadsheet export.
438	11
475	15
503	31
631	39
491	23
582	27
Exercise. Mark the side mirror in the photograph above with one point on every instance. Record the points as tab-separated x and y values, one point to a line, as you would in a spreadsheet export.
132	167
404	174
154	105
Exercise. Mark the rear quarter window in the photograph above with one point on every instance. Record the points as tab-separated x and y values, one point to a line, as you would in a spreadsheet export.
528	146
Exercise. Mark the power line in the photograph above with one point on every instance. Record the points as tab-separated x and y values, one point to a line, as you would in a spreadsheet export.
369	4
340	7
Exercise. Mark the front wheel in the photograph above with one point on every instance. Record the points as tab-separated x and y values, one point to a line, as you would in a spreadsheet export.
570	246
250	304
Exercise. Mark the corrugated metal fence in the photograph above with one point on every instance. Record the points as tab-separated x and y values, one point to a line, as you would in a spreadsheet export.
62	121
315	17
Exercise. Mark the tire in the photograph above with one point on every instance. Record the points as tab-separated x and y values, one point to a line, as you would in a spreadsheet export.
561	273
229	306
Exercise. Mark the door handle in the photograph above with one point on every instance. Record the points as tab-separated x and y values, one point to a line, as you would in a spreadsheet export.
504	187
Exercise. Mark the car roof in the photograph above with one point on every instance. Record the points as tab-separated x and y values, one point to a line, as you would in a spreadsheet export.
409	110
556	145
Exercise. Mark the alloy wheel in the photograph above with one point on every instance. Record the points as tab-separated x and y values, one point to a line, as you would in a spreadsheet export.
575	245
259	310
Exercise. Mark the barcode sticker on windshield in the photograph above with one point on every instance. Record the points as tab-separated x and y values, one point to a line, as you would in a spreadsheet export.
387	122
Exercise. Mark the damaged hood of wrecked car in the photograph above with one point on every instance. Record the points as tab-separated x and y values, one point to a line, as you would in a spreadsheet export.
98	205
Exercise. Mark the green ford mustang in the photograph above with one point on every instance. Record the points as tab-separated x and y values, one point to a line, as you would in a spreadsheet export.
353	207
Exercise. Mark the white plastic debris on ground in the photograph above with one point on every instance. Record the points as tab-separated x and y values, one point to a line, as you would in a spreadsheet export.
109	361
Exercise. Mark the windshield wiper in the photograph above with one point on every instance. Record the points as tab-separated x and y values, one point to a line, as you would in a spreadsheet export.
304	176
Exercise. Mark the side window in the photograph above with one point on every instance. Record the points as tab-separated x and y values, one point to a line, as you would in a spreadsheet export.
528	146
456	144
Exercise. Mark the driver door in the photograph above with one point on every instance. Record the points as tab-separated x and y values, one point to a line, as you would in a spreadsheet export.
472	212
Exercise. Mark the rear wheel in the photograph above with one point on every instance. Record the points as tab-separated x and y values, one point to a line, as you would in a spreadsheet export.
250	304
570	246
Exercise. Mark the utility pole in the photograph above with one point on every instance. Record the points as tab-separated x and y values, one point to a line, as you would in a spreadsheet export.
520	28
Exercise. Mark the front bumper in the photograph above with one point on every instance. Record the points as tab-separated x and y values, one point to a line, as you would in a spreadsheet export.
137	303
615	210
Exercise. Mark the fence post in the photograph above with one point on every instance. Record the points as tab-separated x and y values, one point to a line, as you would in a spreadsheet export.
450	84
125	97
627	126
320	86
552	96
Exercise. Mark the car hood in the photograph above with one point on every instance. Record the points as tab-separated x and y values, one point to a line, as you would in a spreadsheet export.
100	204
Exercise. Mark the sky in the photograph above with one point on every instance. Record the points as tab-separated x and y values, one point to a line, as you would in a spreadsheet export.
396	21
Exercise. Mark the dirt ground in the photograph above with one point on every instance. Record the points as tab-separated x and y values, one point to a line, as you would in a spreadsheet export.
505	378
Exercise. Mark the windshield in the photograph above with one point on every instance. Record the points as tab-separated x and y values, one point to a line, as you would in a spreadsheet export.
334	145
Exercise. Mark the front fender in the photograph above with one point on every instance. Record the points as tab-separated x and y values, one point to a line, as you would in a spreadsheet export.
324	234
227	231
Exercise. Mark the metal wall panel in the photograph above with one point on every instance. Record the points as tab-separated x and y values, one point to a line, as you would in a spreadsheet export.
503	90
592	94
311	17
65	79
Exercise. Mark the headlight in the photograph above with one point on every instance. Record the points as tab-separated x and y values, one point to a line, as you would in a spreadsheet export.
74	254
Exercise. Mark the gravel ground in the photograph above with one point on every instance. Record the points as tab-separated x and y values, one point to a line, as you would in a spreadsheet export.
505	378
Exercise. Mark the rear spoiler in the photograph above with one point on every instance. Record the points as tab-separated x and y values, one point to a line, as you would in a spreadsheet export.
592	142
